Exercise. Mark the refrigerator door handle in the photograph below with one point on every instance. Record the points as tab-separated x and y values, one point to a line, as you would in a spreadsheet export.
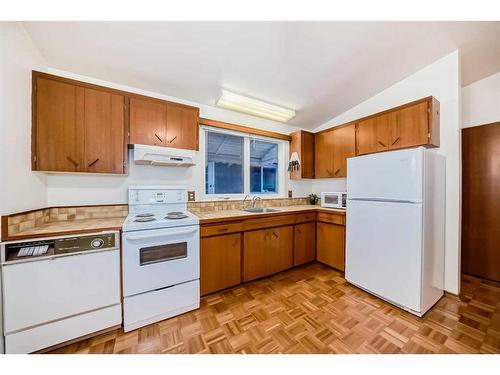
382	200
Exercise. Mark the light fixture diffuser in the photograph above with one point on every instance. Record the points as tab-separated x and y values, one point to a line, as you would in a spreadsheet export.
251	106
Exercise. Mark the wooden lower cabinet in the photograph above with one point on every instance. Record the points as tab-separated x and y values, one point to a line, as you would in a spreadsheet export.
220	262
267	251
304	249
330	240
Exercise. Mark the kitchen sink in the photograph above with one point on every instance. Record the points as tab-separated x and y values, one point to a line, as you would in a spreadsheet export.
260	210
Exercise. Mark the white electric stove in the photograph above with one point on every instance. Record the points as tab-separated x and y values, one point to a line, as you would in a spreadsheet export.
161	256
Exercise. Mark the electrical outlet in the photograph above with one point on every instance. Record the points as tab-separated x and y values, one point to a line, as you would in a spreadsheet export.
191	196
289	193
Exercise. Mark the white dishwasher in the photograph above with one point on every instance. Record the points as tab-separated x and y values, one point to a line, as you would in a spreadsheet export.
59	289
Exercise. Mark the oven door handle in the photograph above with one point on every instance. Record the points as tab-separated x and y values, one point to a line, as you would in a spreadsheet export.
137	237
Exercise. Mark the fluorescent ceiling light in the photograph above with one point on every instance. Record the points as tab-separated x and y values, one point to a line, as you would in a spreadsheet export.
255	107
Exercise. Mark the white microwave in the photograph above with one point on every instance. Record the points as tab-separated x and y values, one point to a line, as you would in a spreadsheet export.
335	199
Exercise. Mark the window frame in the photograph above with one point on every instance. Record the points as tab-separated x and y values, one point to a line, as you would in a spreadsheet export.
247	137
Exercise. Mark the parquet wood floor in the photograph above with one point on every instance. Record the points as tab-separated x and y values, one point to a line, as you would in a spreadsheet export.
312	309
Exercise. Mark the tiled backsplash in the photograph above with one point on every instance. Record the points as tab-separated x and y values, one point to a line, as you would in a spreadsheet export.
208	206
25	221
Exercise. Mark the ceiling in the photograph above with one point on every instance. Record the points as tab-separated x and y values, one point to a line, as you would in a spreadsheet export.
320	69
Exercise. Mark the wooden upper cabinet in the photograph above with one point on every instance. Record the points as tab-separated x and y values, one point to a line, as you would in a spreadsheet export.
323	154
75	128
333	147
159	123
148	122
182	127
104	132
56	128
410	125
344	146
303	144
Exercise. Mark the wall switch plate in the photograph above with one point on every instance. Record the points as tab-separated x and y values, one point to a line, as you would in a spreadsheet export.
289	193
191	196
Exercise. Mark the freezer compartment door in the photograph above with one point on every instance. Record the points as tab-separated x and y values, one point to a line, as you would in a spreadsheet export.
395	175
383	250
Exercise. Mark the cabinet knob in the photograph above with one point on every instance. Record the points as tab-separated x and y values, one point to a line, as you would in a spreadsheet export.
395	141
158	137
383	145
95	161
337	171
72	161
173	139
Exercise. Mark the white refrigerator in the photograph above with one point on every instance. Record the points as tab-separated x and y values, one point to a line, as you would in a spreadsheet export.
395	226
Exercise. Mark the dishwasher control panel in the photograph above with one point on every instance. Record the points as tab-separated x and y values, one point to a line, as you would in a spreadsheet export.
58	246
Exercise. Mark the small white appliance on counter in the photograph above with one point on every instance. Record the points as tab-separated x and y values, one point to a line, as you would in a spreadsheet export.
395	226
335	199
161	256
59	289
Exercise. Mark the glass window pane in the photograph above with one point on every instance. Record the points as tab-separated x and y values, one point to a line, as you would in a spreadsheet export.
224	165
263	167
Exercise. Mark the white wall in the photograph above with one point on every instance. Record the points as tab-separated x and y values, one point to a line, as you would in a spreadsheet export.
21	189
481	102
441	80
73	189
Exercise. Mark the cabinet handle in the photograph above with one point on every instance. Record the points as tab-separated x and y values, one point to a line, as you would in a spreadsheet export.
72	161
329	172
337	171
95	161
299	230
274	234
236	242
396	141
173	139
157	136
382	144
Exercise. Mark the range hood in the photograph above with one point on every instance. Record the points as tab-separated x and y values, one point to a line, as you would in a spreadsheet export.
163	156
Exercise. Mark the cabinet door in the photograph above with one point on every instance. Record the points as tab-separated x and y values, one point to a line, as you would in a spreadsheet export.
344	146
304	249
323	151
104	132
267	251
220	263
148	122
182	127
411	127
330	245
303	144
57	129
374	133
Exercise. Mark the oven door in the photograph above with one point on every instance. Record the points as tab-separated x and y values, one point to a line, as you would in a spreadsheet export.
158	258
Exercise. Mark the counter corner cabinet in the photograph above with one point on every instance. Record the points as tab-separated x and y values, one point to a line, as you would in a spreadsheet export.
77	127
303	144
410	125
157	122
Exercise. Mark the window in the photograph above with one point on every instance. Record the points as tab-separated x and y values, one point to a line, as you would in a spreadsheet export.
224	167
237	164
263	167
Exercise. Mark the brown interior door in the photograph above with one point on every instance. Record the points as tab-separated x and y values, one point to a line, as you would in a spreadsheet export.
481	201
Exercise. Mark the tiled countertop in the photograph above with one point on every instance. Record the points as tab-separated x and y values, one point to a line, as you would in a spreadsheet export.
60	228
223	215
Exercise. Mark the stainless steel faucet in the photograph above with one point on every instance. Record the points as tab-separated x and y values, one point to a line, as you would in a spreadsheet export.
244	200
254	200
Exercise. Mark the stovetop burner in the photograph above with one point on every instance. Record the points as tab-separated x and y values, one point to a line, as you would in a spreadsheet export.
144	219
146	214
176	215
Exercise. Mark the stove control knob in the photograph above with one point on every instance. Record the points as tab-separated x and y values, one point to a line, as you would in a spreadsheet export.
97	243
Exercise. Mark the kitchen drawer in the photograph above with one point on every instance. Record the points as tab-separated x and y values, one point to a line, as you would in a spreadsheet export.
332	218
305	218
268	222
208	230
